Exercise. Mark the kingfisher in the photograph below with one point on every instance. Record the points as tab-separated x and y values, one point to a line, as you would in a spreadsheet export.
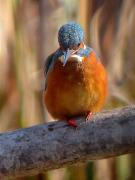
76	80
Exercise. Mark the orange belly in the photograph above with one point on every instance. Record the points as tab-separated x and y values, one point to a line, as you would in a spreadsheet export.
77	88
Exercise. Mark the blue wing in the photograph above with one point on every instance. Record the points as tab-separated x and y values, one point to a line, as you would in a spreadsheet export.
49	64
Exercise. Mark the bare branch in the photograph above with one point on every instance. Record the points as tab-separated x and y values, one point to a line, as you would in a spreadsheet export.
53	145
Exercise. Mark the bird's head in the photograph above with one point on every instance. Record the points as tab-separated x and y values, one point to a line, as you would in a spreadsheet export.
70	37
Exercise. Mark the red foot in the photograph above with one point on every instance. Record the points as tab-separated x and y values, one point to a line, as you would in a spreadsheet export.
89	116
72	122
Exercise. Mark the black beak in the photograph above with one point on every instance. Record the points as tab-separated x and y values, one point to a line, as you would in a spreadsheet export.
67	54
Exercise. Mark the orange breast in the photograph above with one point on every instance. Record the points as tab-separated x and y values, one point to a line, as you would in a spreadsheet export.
77	88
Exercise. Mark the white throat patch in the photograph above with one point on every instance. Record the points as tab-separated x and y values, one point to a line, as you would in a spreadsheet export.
73	57
77	57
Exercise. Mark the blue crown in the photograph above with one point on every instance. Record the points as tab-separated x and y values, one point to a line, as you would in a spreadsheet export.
70	35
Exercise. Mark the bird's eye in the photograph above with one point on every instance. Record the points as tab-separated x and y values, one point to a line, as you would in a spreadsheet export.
79	44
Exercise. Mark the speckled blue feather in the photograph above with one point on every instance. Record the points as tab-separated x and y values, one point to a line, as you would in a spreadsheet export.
69	35
84	52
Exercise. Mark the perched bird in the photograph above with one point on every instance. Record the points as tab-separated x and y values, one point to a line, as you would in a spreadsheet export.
76	81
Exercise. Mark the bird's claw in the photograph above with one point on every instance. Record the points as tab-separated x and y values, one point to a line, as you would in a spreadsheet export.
72	122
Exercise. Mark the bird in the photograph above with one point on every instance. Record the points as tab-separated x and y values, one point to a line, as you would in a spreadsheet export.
76	81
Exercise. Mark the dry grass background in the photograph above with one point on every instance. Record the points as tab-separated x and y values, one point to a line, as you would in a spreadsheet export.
28	34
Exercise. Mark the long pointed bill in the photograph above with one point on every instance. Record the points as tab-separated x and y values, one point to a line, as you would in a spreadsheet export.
67	54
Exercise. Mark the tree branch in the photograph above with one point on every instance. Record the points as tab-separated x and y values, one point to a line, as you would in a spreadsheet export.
53	145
